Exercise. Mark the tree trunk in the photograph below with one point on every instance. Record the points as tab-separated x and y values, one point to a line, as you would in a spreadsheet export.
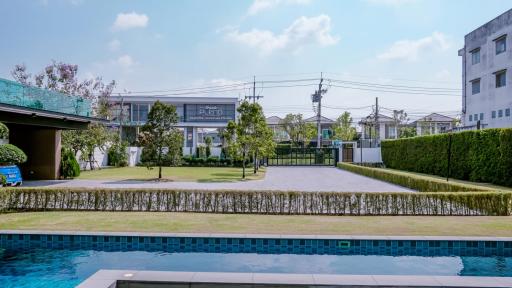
91	161
243	165
160	163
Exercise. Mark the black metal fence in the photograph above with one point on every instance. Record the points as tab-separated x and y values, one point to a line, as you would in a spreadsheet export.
296	156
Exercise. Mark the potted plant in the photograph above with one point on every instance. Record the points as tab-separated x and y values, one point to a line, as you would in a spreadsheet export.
10	156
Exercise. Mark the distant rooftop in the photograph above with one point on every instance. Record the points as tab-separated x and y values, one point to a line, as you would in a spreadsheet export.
16	94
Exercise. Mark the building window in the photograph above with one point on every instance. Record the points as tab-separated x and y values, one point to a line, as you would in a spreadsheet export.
493	114
507	112
481	116
470	118
475	117
500	113
501	78
501	44
140	112
475	86
475	56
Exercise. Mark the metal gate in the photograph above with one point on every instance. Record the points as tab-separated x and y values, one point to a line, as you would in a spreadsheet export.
287	156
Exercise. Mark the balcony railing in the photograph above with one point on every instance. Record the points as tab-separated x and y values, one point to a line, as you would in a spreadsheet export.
13	93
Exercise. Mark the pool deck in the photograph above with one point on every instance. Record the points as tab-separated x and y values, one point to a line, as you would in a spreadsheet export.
115	278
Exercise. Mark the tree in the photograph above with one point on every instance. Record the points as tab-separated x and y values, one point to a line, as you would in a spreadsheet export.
160	135
400	117
63	78
208	143
96	136
298	130
249	134
343	129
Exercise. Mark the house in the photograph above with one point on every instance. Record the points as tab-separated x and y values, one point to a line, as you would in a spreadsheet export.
386	127
325	126
486	75
274	123
433	124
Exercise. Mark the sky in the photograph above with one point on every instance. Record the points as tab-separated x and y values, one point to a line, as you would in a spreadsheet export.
164	45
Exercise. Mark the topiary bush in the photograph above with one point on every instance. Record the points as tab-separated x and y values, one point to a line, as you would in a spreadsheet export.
69	167
479	156
4	131
11	155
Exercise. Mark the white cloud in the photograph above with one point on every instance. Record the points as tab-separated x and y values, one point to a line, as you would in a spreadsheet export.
125	21
114	45
261	5
302	32
394	3
125	61
411	49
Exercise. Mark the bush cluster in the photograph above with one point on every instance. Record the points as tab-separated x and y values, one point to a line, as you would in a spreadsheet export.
479	156
419	183
212	161
257	202
10	155
69	167
117	155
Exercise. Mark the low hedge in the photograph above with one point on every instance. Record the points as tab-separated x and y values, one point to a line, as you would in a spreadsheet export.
256	202
419	183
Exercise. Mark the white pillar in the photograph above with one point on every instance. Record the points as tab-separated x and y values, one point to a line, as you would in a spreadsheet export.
194	140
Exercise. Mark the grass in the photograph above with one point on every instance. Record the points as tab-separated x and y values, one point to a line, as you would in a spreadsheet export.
184	174
263	224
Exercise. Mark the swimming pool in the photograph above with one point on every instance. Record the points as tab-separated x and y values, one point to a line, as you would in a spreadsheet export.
42	260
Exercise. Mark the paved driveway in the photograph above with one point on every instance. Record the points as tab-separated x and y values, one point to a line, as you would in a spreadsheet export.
277	178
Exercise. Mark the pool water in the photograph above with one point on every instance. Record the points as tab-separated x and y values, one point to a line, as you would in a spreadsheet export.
64	268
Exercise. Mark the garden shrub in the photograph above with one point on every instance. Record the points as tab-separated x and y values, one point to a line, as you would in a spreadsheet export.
69	167
4	131
117	155
415	182
257	202
11	155
480	156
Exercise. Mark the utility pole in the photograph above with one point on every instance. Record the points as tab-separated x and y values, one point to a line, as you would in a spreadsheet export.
319	114
121	119
377	127
254	97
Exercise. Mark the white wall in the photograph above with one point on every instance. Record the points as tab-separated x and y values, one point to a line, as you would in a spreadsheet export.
370	155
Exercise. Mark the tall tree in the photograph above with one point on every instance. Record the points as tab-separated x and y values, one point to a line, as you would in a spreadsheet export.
160	134
343	129
63	78
249	134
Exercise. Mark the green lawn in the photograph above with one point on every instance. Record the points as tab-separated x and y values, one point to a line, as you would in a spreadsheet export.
187	174
265	224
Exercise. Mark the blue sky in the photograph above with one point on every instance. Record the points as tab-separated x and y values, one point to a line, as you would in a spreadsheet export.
154	45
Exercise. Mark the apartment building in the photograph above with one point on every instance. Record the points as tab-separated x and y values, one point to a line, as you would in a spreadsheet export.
487	74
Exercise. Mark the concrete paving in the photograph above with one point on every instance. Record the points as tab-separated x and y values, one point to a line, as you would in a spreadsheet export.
309	179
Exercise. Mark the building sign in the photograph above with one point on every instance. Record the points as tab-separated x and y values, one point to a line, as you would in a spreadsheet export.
209	112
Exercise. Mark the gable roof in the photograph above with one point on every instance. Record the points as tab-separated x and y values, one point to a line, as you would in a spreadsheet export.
273	120
435	117
323	120
382	119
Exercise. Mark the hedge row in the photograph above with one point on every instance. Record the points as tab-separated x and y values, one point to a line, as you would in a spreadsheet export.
419	183
257	202
479	156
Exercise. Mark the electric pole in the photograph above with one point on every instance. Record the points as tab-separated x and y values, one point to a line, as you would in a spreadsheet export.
317	98
254	97
377	128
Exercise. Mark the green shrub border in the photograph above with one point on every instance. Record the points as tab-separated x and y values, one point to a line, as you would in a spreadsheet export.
257	202
419	183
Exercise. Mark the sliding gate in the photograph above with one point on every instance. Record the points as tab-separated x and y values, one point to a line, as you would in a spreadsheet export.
287	156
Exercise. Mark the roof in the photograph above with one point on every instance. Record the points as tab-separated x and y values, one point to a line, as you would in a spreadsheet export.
323	120
174	100
435	117
382	119
273	120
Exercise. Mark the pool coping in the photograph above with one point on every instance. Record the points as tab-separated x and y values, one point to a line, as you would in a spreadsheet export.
110	278
256	236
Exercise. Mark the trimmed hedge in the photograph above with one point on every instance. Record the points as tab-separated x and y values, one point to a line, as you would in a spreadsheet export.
11	155
419	183
257	202
479	156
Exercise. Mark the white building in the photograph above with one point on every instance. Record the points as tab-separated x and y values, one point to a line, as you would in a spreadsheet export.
385	129
199	117
433	124
487	74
